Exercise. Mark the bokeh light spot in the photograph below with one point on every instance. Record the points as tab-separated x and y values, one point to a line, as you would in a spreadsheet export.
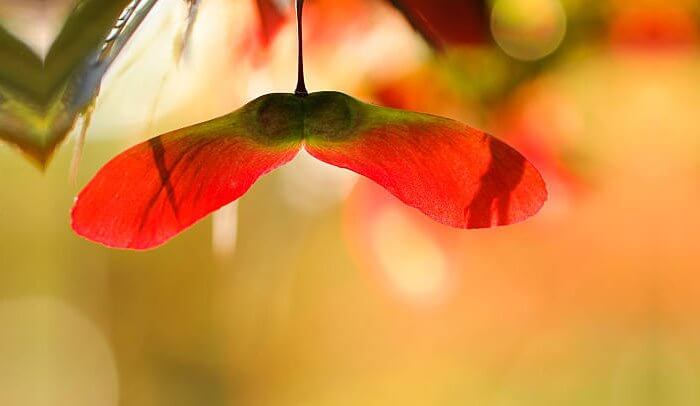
224	231
528	29
311	186
51	355
414	264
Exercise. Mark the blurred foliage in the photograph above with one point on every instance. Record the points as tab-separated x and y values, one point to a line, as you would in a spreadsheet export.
40	99
39	80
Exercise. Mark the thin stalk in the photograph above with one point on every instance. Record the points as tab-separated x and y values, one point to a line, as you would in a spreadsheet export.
301	86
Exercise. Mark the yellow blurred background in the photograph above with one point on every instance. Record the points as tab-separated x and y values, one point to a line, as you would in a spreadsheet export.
318	288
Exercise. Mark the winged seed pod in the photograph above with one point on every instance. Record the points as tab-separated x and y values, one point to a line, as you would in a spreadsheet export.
455	174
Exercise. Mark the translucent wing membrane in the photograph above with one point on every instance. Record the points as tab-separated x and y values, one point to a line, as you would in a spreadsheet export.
455	174
153	191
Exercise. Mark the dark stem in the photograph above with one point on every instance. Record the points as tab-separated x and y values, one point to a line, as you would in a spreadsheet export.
301	86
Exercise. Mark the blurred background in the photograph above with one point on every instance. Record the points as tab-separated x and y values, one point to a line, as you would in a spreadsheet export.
319	288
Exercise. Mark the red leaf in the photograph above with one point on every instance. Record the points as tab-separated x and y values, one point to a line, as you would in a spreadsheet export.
155	190
447	22
272	18
654	28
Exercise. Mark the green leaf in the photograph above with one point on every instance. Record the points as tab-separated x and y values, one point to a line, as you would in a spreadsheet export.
40	100
21	69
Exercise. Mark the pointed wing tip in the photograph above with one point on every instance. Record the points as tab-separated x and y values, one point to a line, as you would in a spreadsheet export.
493	219
108	243
521	204
115	246
536	194
83	228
